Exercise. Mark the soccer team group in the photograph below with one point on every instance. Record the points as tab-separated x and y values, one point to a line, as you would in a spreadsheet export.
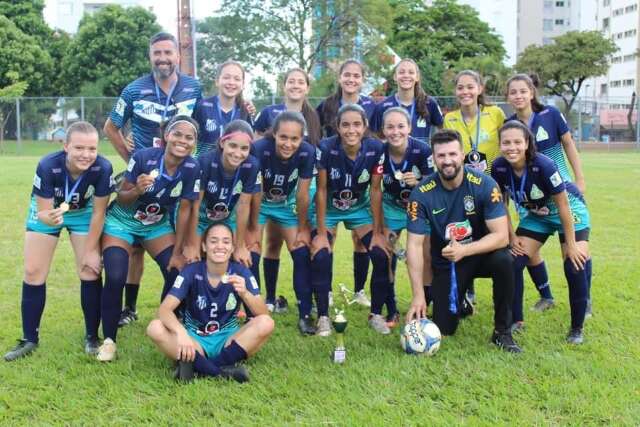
205	183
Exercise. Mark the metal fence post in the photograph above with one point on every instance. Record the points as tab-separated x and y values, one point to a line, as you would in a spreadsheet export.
82	108
18	131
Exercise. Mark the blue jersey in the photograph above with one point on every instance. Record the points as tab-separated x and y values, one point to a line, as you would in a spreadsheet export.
534	189
420	127
208	308
222	190
147	106
280	177
328	123
156	202
547	127
348	180
53	181
417	159
267	116
212	120
454	214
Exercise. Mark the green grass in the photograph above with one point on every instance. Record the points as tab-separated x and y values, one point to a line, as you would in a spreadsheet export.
293	380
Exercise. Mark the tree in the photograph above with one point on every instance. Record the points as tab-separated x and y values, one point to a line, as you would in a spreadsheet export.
446	29
8	95
274	34
111	47
494	73
564	65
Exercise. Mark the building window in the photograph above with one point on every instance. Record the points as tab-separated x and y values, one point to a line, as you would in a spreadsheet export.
559	22
628	82
606	3
617	12
603	89
559	4
616	83
548	5
616	60
631	8
630	33
547	24
628	58
605	24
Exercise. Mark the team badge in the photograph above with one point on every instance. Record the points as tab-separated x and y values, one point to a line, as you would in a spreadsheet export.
90	192
555	179
294	175
469	204
541	134
364	177
201	302
535	193
176	190
231	302
238	188
416	172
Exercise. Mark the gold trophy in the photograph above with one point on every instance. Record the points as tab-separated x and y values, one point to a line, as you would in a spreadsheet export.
339	324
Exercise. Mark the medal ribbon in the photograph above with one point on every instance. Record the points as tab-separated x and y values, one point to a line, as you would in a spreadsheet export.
518	196
165	175
220	115
411	111
474	143
67	193
236	176
168	101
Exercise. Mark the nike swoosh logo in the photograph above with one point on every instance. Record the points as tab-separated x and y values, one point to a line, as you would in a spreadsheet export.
437	211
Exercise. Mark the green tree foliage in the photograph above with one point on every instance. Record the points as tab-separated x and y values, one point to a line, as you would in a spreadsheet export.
437	37
8	94
494	73
274	34
564	65
111	47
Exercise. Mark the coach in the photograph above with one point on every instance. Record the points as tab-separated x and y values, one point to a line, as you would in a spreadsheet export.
462	211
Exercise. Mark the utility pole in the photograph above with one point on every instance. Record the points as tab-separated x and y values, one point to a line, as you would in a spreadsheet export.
185	38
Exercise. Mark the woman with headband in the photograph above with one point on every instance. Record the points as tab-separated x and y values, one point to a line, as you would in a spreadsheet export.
287	164
423	109
406	162
213	114
156	178
230	177
349	191
546	203
210	341
71	190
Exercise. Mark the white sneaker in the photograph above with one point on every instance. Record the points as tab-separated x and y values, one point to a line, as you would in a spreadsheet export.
379	324
107	351
362	299
271	307
330	299
323	328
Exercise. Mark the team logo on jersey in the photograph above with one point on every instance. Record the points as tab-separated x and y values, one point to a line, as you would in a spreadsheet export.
178	283
421	123
219	212
364	177
176	190
131	164
416	172
541	134
212	187
335	173
37	181
496	195
427	187
259	178
231	302
120	107
535	193
469	204
210	328
275	194
201	302
238	188
211	125
196	186
318	154
459	231
254	283
555	179
90	192
294	175
151	214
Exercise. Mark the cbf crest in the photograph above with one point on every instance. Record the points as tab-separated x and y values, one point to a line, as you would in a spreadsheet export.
469	204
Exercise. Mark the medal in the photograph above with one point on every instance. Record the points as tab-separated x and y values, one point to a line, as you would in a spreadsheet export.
474	156
154	173
225	278
64	206
398	175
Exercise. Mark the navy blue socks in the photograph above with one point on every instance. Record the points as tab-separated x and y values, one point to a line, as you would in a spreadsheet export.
380	282
90	294
116	266
587	267
230	355
32	307
205	366
255	266
302	279
270	267
360	270
162	259
540	278
578	283
131	295
519	263
321	273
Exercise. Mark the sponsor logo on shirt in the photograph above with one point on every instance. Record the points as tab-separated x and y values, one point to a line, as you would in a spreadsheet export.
555	179
176	190
37	181
178	283
496	195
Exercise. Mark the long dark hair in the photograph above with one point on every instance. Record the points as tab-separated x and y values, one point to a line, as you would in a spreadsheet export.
332	103
203	238
536	105
352	108
314	133
239	98
419	95
531	151
482	100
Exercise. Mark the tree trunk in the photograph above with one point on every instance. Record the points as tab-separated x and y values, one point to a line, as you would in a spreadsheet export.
632	130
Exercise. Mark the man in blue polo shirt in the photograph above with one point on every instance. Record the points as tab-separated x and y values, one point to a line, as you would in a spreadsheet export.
462	212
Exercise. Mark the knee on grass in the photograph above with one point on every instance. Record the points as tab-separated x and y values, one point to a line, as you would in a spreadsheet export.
263	325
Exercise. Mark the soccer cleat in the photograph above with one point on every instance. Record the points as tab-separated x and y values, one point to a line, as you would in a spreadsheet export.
379	324
271	307
24	348
467	308
471	297
575	336
184	371
91	345
237	373
588	312
505	342
393	321
127	317
323	327
362	299
107	351
517	327
543	304
282	305
306	326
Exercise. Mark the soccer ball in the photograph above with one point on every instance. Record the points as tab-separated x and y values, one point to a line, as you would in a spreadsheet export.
420	336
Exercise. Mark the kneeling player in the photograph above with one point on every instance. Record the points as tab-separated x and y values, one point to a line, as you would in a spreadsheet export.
210	341
546	204
71	190
462	211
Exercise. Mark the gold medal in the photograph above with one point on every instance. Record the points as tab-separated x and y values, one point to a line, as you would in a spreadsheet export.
225	278
154	173
398	175
64	206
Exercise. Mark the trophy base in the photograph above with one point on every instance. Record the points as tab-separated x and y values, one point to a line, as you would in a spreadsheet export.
339	355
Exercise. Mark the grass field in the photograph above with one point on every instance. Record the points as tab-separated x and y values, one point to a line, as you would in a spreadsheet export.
292	379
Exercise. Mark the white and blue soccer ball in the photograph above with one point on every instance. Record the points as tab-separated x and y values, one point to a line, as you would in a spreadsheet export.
421	337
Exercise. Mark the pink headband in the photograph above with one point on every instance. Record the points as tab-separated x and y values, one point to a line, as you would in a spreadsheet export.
237	135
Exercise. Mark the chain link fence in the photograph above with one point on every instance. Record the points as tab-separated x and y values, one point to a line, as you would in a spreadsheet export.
608	124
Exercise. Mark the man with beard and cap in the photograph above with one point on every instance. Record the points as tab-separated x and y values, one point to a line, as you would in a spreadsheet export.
148	103
463	213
